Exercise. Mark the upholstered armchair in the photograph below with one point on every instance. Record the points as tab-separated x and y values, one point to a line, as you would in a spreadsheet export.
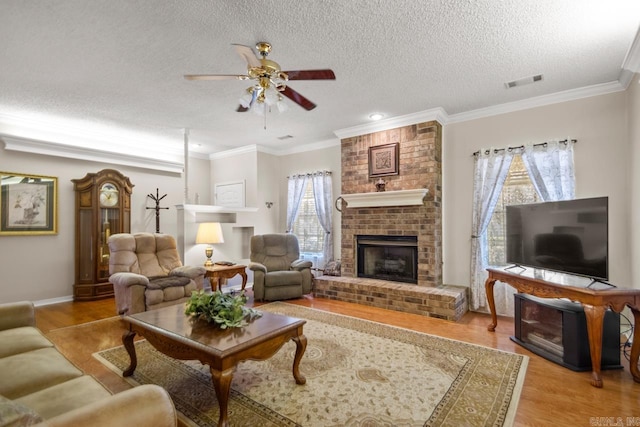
278	273
146	272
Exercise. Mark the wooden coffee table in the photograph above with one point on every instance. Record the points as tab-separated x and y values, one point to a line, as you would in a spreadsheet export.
177	335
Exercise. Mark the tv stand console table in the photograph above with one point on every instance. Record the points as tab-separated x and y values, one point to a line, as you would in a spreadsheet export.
595	297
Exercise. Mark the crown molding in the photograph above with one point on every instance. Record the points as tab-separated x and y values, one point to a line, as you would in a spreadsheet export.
275	152
539	101
246	149
76	133
234	152
267	150
320	145
443	118
27	145
632	59
438	114
198	155
625	78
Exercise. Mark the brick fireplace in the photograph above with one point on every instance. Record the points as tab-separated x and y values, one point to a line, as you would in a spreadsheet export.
420	167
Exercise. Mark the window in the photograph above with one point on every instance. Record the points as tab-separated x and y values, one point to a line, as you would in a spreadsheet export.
518	189
307	228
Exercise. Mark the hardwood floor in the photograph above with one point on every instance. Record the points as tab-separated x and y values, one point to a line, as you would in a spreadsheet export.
552	395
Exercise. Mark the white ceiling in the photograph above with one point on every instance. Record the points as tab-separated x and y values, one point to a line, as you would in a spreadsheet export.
113	68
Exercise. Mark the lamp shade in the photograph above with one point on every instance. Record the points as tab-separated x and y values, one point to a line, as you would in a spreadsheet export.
209	233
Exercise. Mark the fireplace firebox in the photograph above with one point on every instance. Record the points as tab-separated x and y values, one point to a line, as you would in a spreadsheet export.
393	258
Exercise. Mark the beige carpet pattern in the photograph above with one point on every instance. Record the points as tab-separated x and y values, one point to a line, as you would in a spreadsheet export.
359	373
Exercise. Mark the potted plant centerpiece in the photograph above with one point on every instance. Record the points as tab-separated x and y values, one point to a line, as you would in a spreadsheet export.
224	310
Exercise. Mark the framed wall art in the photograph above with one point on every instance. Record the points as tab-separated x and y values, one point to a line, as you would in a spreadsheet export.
384	160
28	204
230	194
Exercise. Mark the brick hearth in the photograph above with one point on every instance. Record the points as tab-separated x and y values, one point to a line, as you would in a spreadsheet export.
444	302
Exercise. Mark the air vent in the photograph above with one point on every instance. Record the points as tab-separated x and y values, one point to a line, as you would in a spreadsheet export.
524	81
281	138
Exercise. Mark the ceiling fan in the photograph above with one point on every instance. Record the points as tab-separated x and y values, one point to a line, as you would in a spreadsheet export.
270	82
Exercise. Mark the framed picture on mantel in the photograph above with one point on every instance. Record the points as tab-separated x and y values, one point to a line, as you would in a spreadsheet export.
384	160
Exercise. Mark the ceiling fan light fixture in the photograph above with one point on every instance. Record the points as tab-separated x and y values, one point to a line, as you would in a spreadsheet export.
282	106
271	96
245	100
259	109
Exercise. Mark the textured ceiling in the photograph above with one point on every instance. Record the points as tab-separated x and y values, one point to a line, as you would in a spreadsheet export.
120	63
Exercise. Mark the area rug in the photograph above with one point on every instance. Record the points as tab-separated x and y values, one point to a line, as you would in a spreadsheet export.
359	373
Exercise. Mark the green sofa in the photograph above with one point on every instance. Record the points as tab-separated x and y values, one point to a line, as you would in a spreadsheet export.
39	386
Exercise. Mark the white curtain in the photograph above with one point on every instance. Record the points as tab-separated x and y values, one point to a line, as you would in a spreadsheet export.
550	167
297	186
490	172
323	196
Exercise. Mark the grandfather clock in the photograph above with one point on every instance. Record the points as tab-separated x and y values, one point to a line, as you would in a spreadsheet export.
103	208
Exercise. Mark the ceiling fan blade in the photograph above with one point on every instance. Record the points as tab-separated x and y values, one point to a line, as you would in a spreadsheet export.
215	77
247	53
298	99
311	75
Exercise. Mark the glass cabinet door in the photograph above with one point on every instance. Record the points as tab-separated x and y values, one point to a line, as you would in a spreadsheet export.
86	251
109	224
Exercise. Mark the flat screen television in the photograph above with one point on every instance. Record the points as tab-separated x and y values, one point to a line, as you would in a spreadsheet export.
569	236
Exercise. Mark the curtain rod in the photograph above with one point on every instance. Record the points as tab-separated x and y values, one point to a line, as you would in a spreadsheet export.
309	174
541	144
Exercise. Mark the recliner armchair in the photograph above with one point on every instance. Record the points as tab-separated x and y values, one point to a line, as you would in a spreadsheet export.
146	272
278	273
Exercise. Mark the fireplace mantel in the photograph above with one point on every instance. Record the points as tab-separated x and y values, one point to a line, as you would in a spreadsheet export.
385	198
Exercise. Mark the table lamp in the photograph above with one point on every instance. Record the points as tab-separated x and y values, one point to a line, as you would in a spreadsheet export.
209	233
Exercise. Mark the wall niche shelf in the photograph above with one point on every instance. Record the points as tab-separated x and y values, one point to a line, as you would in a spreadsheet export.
214	208
386	198
189	216
213	213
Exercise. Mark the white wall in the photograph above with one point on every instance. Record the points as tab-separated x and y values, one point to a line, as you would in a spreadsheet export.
633	112
258	171
269	173
42	267
601	164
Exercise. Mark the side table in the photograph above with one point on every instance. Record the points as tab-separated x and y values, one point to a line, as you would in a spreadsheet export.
218	272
